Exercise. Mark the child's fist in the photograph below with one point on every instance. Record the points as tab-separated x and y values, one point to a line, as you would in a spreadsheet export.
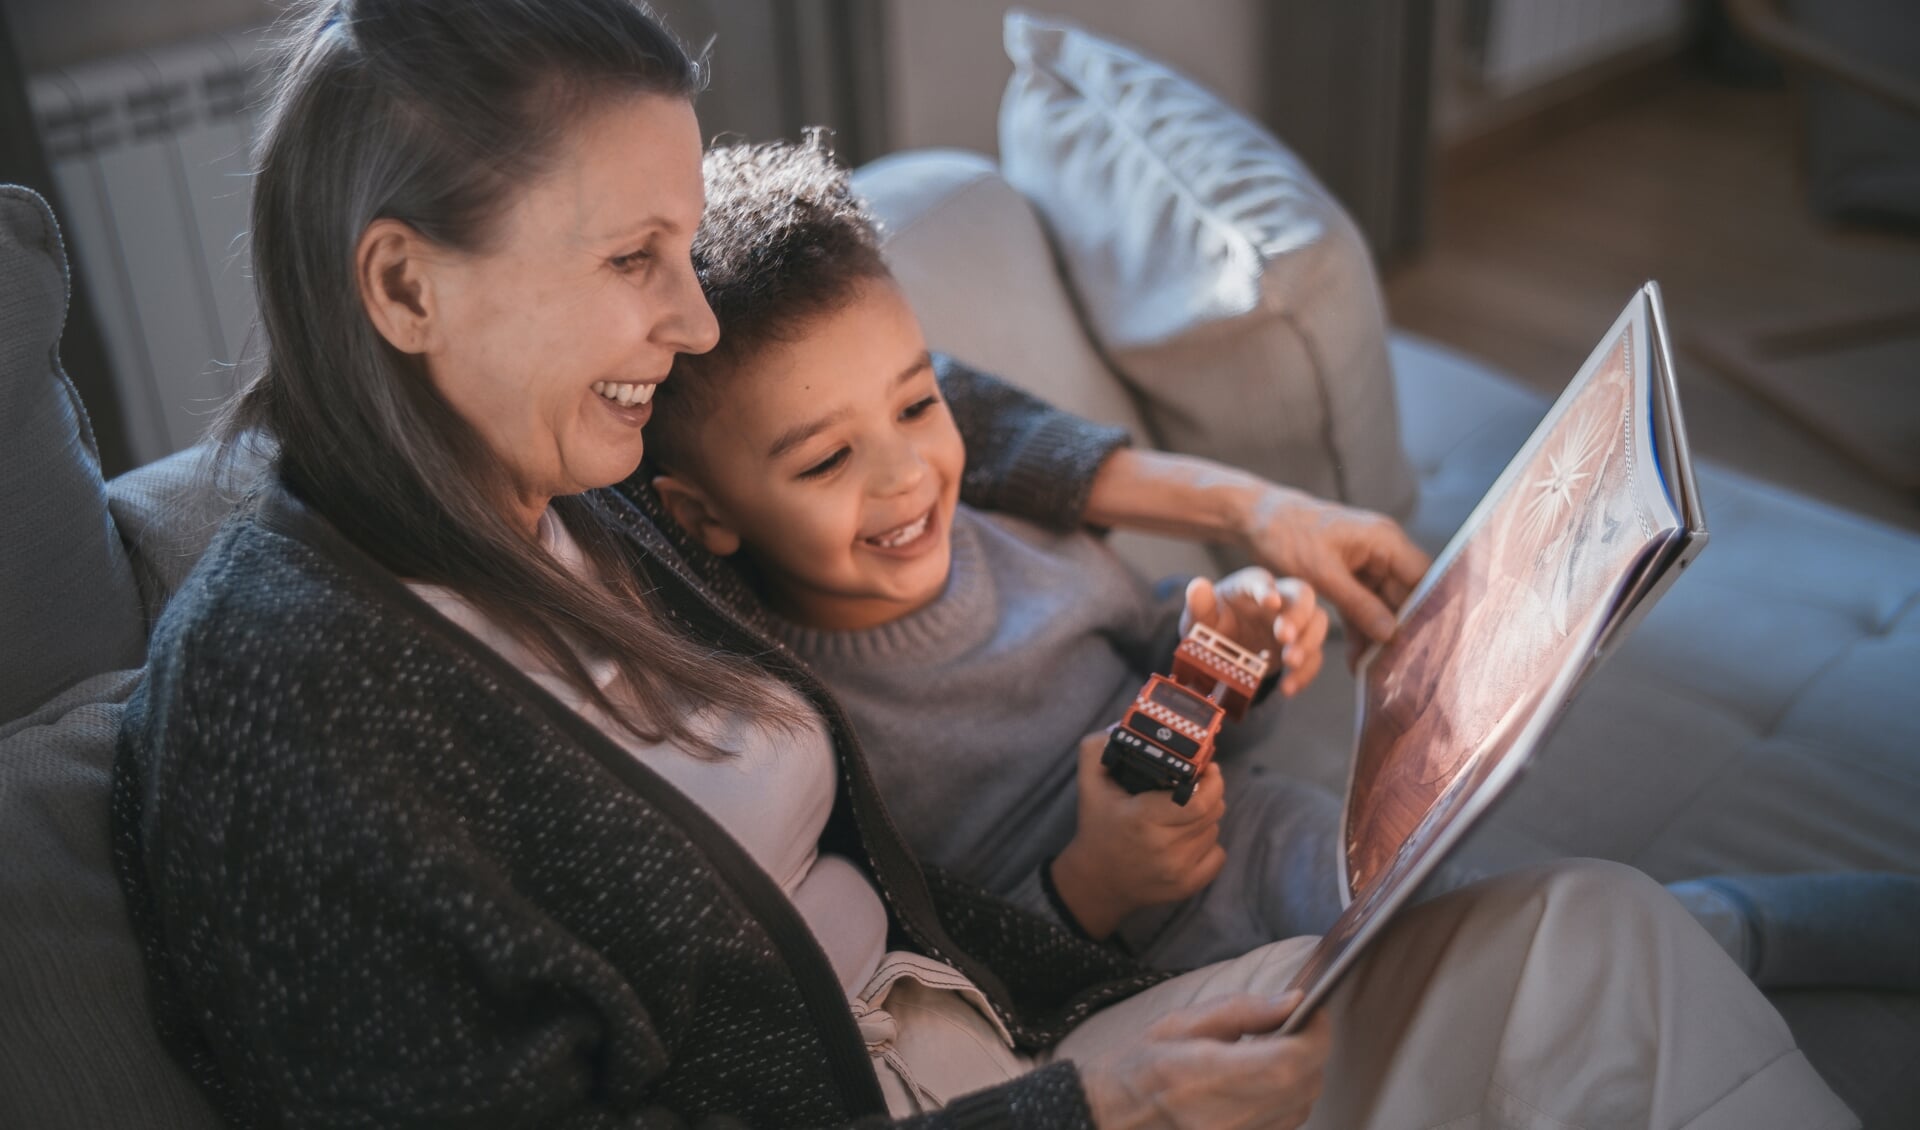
1258	612
1134	851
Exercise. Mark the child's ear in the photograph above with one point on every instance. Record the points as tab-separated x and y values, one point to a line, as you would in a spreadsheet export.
696	515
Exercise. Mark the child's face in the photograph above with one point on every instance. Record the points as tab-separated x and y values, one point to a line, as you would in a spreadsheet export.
834	463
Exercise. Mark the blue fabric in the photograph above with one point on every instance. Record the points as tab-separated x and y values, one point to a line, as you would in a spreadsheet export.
69	607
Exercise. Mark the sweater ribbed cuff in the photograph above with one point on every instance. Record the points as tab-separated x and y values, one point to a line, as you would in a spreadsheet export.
1050	1097
1050	469
1059	905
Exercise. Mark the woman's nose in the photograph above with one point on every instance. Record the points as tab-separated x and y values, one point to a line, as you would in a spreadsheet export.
689	326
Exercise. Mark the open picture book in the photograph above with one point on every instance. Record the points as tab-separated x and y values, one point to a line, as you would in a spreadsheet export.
1581	533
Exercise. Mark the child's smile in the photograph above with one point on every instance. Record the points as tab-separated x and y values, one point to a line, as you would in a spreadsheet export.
832	462
909	540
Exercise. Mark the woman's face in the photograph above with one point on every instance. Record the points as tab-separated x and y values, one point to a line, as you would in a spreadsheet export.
551	339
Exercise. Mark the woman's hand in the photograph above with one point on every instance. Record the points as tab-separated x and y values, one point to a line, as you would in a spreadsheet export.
1194	1070
1360	562
1132	851
1253	609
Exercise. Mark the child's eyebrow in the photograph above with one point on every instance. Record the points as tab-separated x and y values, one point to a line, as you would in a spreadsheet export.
800	433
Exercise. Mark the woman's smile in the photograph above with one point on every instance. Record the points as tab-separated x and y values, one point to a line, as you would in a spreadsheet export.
630	403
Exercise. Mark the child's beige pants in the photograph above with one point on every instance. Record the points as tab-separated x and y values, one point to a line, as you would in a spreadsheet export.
1574	995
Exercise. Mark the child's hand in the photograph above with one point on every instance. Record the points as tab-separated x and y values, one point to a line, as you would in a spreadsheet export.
1259	613
1133	851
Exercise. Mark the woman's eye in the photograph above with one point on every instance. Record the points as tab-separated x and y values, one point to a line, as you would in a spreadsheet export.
825	466
920	407
625	263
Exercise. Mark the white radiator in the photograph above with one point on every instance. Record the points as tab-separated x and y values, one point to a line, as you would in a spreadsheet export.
1528	42
150	155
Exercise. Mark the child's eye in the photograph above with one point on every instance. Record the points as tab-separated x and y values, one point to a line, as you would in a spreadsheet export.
920	407
825	466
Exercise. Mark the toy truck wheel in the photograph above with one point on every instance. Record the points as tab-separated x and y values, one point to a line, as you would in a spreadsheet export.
1184	793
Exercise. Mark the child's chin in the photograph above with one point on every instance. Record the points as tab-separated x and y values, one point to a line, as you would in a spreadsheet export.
926	578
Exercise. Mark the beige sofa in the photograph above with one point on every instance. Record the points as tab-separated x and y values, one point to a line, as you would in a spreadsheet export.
1758	720
1761	719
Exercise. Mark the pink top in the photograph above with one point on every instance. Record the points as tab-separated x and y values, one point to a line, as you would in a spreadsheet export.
773	795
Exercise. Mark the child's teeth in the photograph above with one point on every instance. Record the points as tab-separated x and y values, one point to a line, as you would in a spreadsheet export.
904	534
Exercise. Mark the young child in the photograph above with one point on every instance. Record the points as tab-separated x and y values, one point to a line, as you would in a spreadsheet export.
976	653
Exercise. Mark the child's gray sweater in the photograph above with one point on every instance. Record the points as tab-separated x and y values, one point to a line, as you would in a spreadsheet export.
972	708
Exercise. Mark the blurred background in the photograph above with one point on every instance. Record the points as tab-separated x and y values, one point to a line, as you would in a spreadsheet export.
1519	166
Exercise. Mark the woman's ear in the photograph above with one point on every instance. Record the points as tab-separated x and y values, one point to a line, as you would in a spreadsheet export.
393	268
696	515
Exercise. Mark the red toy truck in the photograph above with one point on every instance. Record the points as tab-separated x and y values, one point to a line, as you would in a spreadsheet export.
1166	739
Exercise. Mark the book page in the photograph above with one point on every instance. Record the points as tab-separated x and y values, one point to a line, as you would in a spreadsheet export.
1493	642
1517	604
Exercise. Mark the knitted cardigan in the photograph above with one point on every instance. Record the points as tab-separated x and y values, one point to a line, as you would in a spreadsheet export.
382	878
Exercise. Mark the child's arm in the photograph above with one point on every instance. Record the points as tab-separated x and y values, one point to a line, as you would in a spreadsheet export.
1256	611
1129	852
1024	456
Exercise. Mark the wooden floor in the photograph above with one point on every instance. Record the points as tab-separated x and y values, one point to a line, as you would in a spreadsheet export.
1533	252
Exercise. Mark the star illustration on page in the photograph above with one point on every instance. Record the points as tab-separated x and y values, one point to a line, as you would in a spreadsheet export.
1568	470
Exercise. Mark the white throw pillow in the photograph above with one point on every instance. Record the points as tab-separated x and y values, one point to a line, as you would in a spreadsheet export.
1223	282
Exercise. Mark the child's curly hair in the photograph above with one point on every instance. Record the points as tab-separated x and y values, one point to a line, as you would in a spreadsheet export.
784	240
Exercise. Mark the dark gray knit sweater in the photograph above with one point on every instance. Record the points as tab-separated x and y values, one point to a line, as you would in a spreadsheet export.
383	879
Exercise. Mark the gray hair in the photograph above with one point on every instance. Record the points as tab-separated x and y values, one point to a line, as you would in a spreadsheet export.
432	113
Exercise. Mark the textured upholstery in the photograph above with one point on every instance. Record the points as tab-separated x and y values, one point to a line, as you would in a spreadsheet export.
1213	268
80	1049
56	541
168	511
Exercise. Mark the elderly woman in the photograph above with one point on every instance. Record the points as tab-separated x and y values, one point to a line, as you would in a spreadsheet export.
458	795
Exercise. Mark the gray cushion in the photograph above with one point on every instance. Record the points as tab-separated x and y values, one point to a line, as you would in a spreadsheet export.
84	615
168	511
80	1046
1223	282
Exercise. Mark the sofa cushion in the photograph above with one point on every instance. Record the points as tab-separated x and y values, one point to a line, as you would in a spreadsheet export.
1220	278
972	259
168	511
84	616
81	1048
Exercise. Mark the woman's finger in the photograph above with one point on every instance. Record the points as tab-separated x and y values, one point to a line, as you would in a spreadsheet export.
1364	612
1227	1018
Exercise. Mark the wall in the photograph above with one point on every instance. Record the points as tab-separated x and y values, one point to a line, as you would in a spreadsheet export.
57	33
948	67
